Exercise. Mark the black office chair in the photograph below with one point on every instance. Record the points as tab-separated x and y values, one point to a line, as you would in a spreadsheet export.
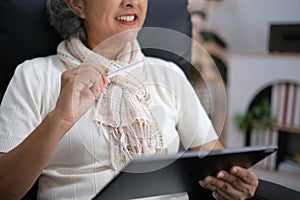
25	34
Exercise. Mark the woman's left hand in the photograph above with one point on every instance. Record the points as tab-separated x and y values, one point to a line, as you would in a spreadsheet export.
238	183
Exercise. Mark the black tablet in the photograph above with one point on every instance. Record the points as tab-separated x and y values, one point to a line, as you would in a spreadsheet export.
175	173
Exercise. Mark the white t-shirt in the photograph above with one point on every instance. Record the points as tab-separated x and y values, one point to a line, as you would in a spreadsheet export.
80	165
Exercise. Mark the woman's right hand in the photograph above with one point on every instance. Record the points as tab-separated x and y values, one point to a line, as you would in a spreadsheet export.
80	87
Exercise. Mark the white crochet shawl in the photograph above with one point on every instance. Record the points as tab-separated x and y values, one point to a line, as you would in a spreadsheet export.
124	106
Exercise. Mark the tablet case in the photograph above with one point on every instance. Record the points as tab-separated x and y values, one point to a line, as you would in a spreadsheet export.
160	175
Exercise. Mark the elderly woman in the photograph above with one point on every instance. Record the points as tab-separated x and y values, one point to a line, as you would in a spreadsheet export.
64	121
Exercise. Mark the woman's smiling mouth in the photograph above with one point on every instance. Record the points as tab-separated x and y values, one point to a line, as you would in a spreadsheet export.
127	19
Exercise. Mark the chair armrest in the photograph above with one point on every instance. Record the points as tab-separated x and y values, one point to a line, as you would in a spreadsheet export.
271	191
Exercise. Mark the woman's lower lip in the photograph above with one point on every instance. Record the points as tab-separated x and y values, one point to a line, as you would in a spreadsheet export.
127	22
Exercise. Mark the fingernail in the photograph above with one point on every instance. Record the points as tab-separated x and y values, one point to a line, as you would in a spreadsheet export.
214	195
99	90
234	170
220	175
208	179
202	183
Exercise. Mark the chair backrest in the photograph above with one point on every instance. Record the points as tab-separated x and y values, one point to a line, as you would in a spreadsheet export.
25	32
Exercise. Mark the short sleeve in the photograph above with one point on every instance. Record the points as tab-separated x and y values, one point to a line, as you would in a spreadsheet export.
194	126
191	121
20	107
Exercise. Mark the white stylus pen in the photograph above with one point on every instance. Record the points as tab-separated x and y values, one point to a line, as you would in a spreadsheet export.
125	68
120	70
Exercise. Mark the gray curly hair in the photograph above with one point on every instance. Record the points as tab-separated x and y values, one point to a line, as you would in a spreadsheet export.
64	20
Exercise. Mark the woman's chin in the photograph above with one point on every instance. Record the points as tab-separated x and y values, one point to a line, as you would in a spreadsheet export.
122	37
126	36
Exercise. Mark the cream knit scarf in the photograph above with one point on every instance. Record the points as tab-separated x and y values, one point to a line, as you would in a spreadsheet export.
124	107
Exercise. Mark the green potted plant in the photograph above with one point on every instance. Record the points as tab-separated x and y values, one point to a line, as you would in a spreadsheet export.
258	117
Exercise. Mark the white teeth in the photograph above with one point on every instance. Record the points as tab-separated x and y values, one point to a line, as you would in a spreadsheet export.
126	18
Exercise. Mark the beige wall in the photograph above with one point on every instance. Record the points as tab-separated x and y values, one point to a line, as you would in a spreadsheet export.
244	24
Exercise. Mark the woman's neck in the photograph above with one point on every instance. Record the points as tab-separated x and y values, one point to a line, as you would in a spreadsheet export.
108	48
